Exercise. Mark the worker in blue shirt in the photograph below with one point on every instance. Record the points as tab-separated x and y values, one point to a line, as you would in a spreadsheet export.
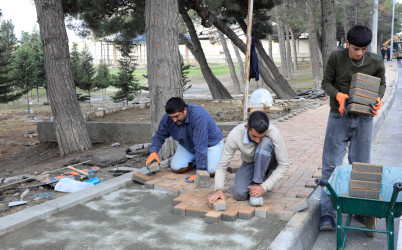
199	138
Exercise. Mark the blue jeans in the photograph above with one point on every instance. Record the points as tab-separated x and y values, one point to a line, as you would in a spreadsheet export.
183	157
255	172
341	129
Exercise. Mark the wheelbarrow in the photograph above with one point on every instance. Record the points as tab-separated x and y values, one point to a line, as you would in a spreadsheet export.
388	207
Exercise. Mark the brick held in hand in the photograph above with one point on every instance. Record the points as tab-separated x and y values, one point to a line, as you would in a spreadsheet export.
358	109
364	93
364	85
360	100
366	78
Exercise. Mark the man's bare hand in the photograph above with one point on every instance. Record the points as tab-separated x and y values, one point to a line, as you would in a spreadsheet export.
256	190
215	196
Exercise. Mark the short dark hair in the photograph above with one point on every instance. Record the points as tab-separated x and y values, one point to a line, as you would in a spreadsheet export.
259	121
175	104
359	35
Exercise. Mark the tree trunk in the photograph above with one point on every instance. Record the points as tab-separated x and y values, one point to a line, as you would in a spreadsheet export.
270	46
295	63
37	92
282	48
313	46
329	32
233	75
217	89
163	61
288	53
240	62
69	123
29	107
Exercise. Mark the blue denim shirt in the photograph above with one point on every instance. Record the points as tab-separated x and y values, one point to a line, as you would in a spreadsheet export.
196	134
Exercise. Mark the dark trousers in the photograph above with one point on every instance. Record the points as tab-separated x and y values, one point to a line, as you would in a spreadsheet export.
255	172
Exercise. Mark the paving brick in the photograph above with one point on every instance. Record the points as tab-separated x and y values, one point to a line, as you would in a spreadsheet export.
279	214
256	201
231	214
360	100
365	176
311	184
153	167
180	209
366	78
317	174
364	193
213	217
305	193
298	205
364	93
202	184
358	109
173	191
202	175
367	167
141	178
261	212
160	174
364	85
184	197
230	201
246	212
162	186
365	184
197	211
219	205
150	184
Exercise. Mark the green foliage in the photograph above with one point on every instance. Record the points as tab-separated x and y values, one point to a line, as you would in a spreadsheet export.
125	80
185	69
8	44
102	78
87	71
75	64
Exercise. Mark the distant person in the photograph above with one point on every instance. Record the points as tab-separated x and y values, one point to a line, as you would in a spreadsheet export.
383	52
264	155
388	53
342	127
199	138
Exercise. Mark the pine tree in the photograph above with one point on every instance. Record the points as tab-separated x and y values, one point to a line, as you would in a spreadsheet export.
87	73
125	81
8	46
75	64
102	78
185	69
23	71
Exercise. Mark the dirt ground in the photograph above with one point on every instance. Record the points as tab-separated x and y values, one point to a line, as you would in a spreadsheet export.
23	158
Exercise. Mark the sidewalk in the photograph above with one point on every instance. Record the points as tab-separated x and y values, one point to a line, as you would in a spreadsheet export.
304	136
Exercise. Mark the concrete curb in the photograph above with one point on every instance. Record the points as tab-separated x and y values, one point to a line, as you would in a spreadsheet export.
302	229
44	210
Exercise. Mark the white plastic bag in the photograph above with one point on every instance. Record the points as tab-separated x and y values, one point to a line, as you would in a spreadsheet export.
259	98
68	185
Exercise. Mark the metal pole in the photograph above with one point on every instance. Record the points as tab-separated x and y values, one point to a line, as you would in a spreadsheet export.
248	52
373	47
392	30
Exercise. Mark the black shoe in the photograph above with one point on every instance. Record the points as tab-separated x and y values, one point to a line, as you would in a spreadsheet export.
360	218
327	223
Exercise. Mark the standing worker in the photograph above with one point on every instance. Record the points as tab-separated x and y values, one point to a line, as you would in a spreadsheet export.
383	52
199	138
341	127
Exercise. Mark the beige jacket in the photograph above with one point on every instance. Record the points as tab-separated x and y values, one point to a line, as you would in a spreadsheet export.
235	141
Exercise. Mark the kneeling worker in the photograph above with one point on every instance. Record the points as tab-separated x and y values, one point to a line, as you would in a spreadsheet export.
264	155
199	138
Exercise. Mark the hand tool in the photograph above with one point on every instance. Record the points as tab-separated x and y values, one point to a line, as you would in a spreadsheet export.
20	202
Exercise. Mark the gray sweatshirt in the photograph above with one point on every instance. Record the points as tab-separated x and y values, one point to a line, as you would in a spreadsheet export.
235	141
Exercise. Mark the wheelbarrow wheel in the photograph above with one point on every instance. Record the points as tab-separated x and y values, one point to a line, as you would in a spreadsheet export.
371	222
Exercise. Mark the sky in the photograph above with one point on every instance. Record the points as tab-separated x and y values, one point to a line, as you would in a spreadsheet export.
23	15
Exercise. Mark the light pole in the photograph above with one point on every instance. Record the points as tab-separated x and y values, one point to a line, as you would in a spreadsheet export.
392	30
373	47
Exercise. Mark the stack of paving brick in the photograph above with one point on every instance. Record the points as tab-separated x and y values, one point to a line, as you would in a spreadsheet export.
365	180
202	179
363	91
